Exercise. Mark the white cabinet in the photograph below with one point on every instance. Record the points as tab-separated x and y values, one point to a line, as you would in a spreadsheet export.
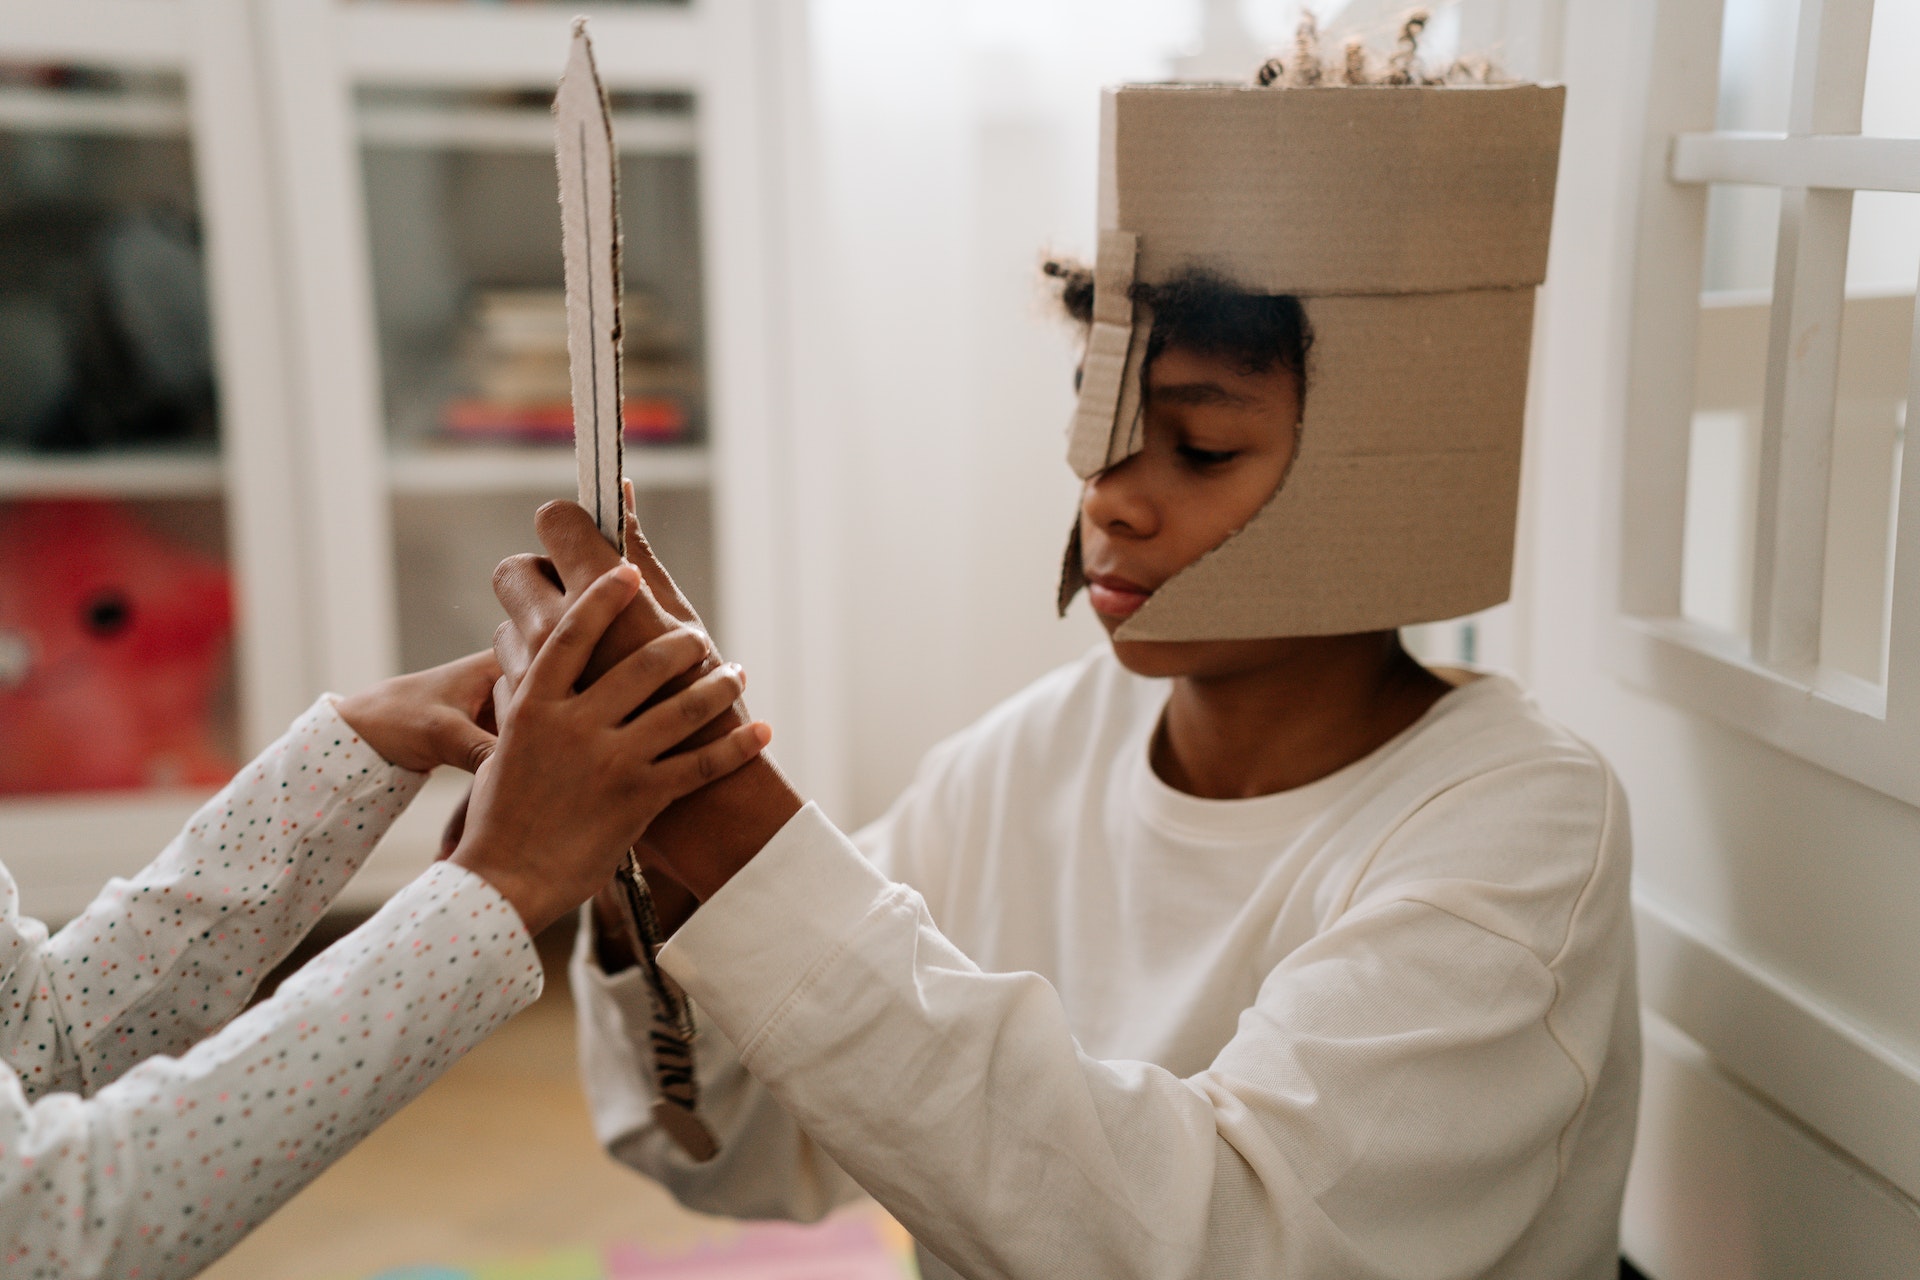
365	191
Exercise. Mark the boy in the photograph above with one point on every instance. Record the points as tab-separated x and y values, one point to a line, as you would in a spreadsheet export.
1246	946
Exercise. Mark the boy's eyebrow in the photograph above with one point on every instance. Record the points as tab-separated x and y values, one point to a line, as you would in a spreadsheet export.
1195	393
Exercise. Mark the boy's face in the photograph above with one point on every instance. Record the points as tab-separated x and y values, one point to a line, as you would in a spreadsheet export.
1217	444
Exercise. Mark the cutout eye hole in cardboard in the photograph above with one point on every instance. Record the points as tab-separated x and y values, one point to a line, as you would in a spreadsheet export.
1412	222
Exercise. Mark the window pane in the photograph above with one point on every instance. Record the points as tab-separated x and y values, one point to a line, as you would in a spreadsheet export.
1756	64
1869	419
1743	230
1736	304
1892	104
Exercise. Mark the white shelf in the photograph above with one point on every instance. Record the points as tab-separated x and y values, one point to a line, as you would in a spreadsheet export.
414	44
119	33
125	475
147	115
514	129
62	849
537	469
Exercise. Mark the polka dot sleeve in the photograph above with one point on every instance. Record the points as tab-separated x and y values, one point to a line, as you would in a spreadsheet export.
157	962
165	1169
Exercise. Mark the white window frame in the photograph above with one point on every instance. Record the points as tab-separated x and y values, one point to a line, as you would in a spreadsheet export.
1772	686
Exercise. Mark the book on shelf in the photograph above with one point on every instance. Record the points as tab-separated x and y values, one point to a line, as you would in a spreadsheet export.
514	362
474	419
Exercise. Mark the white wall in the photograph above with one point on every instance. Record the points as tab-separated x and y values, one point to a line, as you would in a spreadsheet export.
957	145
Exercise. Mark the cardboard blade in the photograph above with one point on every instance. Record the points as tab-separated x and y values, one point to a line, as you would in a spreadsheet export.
590	242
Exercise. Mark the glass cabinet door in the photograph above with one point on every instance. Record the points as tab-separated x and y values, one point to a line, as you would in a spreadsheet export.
463	232
117	599
152	610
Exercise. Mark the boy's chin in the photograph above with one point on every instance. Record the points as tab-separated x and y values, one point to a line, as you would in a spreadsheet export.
1158	659
1168	659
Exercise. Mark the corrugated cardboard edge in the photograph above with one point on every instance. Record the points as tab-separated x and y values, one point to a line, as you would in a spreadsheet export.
1104	388
1314	191
584	157
1130	416
1073	573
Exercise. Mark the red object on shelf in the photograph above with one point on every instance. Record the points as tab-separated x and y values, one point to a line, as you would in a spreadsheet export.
647	419
112	643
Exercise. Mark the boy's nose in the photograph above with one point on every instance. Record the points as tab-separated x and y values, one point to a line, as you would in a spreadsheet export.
1116	501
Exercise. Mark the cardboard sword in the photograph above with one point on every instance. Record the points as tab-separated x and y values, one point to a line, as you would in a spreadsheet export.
589	176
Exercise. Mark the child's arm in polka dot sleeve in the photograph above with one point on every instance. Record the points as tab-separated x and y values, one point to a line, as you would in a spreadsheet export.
165	1169
157	962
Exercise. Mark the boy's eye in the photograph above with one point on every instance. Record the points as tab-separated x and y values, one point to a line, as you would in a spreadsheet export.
1207	457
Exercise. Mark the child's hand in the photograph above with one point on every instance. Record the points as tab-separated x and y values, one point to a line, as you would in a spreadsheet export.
443	715
705	839
577	776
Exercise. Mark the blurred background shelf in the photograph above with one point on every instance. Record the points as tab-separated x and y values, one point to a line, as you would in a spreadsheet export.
125	32
530	470
61	848
660	45
67	111
507	128
140	474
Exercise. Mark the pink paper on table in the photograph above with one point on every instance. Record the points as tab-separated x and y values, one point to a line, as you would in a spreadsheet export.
851	1247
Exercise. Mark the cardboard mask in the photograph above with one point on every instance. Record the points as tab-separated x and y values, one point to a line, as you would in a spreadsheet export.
1412	223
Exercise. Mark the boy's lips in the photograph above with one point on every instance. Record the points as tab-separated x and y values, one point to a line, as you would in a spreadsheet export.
1115	597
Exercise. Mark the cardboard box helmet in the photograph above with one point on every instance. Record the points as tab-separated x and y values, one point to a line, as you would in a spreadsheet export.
1412	222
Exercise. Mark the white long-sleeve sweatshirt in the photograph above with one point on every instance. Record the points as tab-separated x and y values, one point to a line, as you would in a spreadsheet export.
1061	1019
119	1159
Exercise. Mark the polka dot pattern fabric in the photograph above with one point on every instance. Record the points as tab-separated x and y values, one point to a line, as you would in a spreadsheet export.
137	1138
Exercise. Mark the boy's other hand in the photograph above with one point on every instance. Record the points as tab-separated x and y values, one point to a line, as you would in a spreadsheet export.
579	774
443	715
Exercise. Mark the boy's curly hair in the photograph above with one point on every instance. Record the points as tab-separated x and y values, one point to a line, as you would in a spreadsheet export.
1304	66
1207	314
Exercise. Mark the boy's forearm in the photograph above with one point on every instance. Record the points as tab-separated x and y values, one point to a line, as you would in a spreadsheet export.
707	837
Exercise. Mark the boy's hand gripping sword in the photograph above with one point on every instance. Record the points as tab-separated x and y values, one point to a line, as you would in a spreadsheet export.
590	240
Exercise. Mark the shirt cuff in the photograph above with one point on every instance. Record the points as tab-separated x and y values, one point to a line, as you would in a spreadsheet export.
791	909
627	989
356	752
